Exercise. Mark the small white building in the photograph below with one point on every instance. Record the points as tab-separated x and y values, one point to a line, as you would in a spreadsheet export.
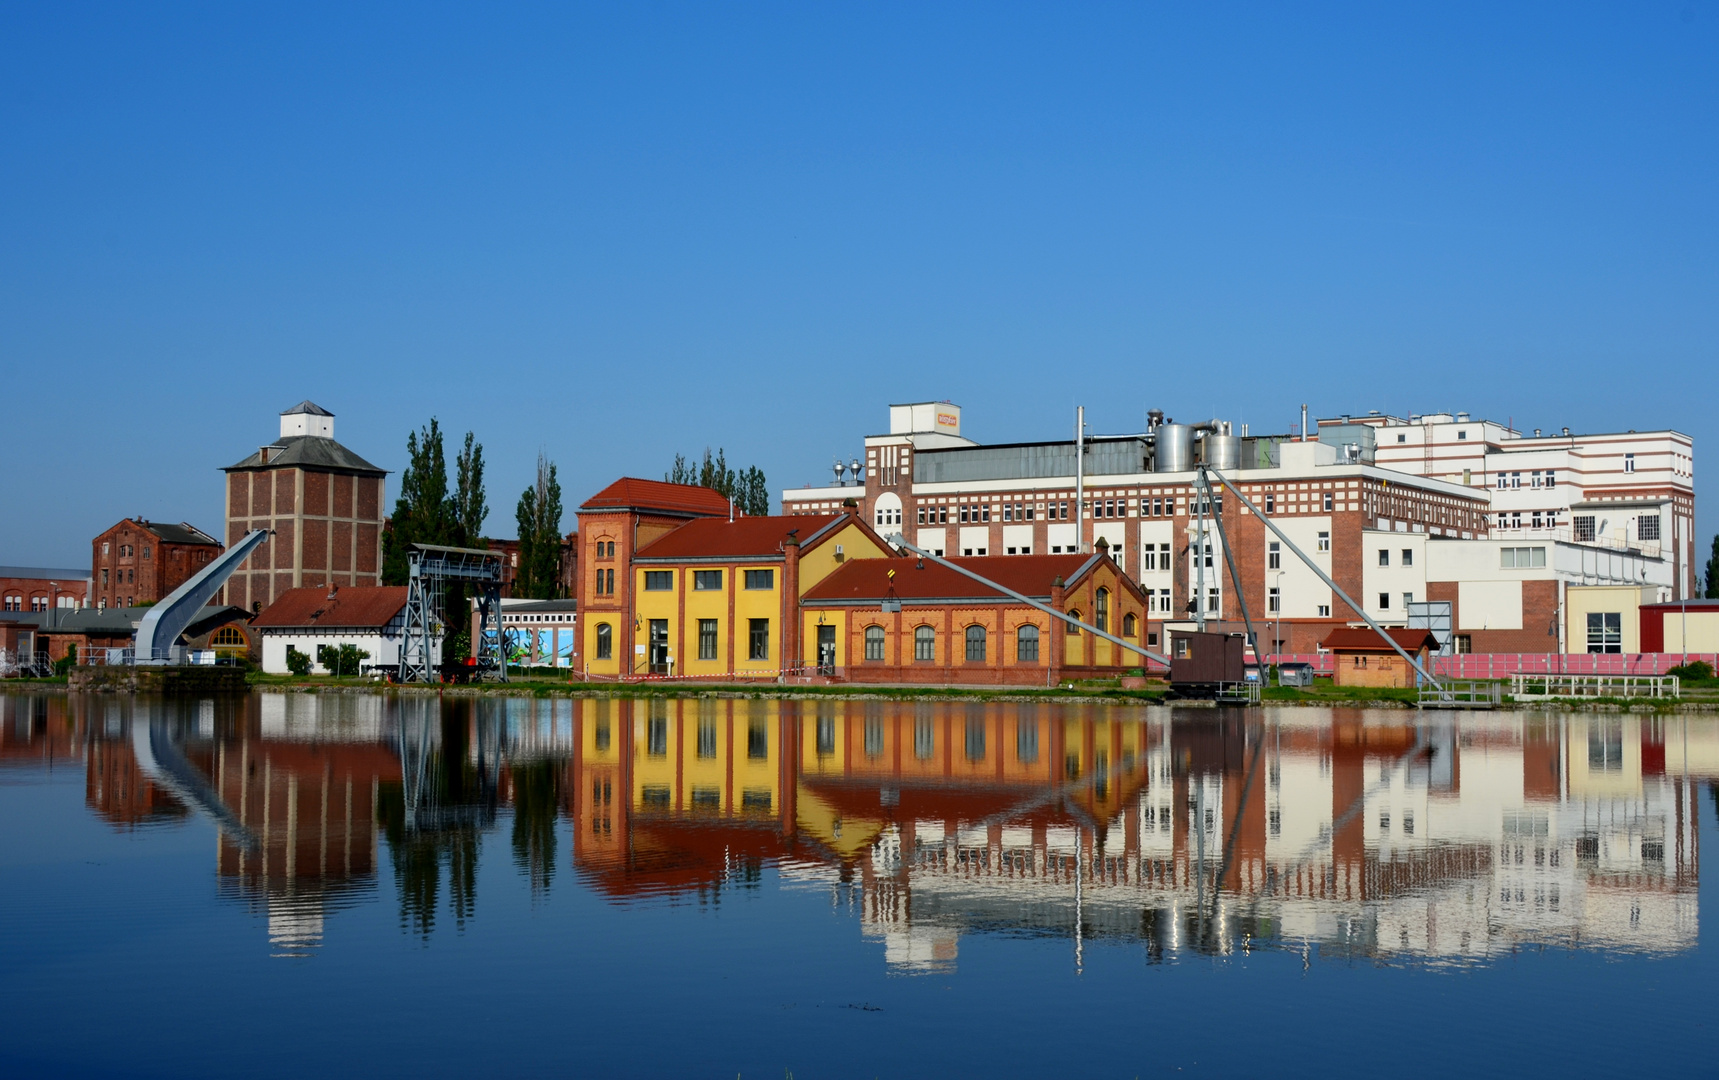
372	618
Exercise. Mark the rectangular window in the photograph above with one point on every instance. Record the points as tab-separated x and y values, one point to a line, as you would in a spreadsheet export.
1629	463
1583	524
707	639
1271	504
984	513
1327	500
1149	558
706	580
1164	600
760	579
659	580
1384	557
1324	611
1605	632
922	515
1408	557
1384	601
1551	478
758	636
1324	541
1408	598
1647	528
1273	600
1274	556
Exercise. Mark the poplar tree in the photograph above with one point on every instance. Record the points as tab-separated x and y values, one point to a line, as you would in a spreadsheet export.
1712	590
747	488
538	516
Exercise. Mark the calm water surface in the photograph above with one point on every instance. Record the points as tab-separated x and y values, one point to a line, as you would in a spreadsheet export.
282	885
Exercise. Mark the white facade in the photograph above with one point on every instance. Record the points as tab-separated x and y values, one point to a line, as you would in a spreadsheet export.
383	644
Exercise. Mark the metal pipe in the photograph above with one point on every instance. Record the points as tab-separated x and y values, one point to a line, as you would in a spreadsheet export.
901	542
1326	578
1235	578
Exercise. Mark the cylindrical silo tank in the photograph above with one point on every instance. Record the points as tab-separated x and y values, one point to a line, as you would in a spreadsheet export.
1223	452
1175	445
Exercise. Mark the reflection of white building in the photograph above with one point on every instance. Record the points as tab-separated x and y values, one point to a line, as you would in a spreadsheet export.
1449	842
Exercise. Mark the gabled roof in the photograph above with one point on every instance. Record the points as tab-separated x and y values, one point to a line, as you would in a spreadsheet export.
308	451
355	607
867	580
1364	639
742	538
631	493
306	406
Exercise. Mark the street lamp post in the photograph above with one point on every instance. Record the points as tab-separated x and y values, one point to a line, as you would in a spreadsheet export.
1277	634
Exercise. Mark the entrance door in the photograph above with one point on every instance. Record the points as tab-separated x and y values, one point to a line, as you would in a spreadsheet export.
826	650
659	647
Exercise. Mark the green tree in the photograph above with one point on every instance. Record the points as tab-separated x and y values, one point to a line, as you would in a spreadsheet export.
1712	590
423	513
471	506
538	516
746	488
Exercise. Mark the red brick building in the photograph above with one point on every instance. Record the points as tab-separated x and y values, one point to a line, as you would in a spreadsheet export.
911	621
139	561
613	524
510	565
38	588
322	501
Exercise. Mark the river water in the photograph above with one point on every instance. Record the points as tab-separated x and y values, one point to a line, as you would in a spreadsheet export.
292	884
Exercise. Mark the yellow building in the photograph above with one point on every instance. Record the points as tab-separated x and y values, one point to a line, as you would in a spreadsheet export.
1605	618
719	598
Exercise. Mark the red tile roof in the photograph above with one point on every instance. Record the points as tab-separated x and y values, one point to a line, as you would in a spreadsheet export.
1365	639
868	579
353	607
742	538
631	493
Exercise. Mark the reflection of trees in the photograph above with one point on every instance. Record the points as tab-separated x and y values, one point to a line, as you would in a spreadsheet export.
536	804
434	817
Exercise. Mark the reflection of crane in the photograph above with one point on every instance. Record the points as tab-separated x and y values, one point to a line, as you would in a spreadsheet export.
156	743
435	797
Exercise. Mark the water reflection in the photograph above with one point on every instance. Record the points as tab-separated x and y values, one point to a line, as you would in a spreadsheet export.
1334	834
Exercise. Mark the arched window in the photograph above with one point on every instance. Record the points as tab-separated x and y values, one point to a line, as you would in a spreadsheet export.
1128	626
976	644
605	642
228	637
1072	628
874	643
925	644
1101	612
1027	644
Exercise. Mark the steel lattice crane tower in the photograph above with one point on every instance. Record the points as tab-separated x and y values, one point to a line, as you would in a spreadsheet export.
432	567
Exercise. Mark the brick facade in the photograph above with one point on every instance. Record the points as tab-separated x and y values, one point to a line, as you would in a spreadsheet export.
140	562
323	505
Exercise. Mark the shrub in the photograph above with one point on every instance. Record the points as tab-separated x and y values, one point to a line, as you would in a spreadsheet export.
341	659
298	663
1695	669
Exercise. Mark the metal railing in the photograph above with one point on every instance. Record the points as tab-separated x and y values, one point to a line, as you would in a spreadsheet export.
1541	687
25	665
1470	694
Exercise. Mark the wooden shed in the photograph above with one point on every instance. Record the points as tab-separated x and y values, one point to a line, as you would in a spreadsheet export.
1202	662
1363	658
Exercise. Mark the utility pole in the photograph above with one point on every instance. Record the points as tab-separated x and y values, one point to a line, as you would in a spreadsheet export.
1080	478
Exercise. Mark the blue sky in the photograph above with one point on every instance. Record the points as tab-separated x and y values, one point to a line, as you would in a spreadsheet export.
614	232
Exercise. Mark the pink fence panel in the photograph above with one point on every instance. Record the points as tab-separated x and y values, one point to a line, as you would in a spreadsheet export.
1504	665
